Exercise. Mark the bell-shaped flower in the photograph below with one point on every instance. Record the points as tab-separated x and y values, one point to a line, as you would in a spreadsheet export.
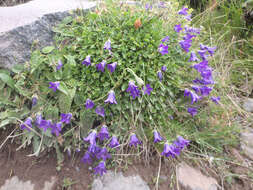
114	142
111	98
103	154
178	28
54	85
87	159
157	136
87	61
163	49
192	111
100	169
183	11
89	104
134	141
147	89
101	66
100	111
26	124
103	133
107	45
193	57
163	68
56	128
91	138
111	67
66	117
59	65
160	75
133	89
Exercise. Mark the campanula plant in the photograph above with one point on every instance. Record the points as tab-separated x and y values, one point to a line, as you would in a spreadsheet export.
122	82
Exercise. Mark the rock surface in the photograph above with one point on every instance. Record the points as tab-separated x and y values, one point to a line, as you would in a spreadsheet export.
193	179
22	25
112	181
248	105
15	183
247	142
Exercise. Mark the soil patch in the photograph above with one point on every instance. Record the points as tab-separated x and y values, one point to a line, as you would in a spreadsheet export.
8	3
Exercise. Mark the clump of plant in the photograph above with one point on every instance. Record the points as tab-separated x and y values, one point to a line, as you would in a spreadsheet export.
118	78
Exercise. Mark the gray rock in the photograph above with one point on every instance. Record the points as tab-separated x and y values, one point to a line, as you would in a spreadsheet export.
193	179
247	142
23	25
248	105
15	183
112	181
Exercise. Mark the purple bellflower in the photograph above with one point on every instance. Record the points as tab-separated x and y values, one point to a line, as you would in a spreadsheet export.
100	111
45	124
185	45
34	100
205	90
134	141
133	89
163	68
59	65
103	154
189	36
178	28
147	89
89	104
66	117
94	149
56	128
103	133
87	159
100	169
87	61
215	99
170	150
26	124
148	7
160	75
181	142
183	11
165	39
91	138
54	85
111	98
202	54
192	111
101	66
210	50
194	96
111	67
193	57
163	49
196	88
114	142
107	45
157	136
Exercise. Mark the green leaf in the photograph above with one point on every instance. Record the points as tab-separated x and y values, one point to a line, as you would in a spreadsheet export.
7	122
7	79
17	68
70	60
48	49
63	88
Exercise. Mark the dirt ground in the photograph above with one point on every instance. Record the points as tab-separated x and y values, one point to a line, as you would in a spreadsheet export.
41	169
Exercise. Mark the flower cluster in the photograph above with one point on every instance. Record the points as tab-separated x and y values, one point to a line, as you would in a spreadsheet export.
201	87
47	124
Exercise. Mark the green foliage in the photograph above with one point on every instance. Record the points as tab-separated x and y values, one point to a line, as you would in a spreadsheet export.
135	51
